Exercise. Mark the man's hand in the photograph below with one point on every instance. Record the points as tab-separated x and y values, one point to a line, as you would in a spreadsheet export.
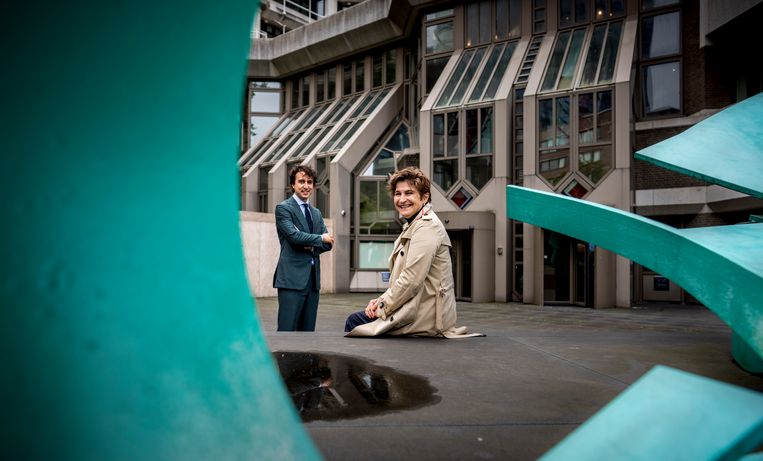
371	308
327	238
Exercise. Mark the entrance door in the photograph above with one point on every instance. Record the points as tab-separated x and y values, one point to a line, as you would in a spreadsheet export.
567	270
461	259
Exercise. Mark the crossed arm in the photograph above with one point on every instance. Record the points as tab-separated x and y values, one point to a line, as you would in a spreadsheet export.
286	227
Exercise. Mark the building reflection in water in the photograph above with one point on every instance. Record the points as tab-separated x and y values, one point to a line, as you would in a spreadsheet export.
333	387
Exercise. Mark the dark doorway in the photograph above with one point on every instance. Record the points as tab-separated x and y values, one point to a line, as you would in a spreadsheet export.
461	258
568	270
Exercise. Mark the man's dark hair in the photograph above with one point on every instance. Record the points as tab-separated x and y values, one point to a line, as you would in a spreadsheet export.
309	172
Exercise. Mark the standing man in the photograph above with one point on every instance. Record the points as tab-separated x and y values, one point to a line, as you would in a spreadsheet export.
303	237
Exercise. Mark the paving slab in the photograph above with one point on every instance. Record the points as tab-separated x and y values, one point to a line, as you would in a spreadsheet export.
538	374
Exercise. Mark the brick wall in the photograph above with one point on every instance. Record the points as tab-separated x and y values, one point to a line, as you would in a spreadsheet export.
649	176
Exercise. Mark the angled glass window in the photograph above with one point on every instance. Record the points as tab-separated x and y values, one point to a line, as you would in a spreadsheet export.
492	72
355	120
601	57
434	68
282	127
471	71
455	77
384	162
564	61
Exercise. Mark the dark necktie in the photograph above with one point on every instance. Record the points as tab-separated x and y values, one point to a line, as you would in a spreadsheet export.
308	217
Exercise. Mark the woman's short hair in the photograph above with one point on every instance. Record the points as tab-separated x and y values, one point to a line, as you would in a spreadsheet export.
414	177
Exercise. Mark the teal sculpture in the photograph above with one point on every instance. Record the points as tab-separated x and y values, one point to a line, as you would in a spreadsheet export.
127	327
721	266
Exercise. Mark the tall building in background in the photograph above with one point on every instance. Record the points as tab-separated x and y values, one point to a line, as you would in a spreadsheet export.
554	95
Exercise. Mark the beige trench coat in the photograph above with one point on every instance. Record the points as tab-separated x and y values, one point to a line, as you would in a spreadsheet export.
420	300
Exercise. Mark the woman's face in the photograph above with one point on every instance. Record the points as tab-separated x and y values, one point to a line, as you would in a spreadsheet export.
407	199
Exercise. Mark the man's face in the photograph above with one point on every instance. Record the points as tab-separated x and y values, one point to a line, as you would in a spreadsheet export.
303	186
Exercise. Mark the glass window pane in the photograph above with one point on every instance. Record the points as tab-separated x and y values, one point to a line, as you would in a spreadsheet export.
546	123
501	19
595	163
347	84
555	63
479	170
439	38
662	88
463	61
565	13
649	4
472	23
581	11
399	141
487	70
563	121
359	75
660	35
305	90
377	71
571	63
319	87
438	130
608	61
369	202
471	71
332	83
434	69
485	28
604	116
452	144
262	101
383	164
585	118
500	70
471	132
515	18
445	173
439	14
486	130
594	53
554	164
374	255
390	67
258	126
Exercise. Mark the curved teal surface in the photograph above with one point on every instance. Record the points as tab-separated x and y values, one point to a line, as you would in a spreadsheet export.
127	328
724	149
721	266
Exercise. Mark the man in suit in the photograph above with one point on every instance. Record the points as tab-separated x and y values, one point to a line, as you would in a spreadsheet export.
303	237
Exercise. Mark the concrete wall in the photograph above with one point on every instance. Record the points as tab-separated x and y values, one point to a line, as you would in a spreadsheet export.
261	250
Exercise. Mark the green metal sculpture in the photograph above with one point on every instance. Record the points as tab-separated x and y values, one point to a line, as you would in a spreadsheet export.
721	266
127	326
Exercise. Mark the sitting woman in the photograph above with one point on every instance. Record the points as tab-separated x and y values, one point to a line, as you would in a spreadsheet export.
420	300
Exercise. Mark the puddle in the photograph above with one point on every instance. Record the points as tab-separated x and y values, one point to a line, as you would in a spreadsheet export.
330	387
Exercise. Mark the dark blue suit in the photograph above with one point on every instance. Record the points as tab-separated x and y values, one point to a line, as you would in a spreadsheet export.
298	274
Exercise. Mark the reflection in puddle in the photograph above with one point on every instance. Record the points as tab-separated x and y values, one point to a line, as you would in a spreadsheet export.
331	387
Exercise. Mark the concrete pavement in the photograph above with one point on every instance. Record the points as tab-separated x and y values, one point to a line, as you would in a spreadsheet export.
539	373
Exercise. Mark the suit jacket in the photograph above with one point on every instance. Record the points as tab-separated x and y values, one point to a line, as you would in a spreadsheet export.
298	245
421	298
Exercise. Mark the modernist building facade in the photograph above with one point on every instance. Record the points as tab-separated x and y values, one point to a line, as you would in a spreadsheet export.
554	95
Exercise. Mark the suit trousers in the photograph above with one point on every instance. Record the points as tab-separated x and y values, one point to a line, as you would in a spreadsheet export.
298	309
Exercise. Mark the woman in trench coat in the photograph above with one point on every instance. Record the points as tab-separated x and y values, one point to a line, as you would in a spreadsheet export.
420	300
